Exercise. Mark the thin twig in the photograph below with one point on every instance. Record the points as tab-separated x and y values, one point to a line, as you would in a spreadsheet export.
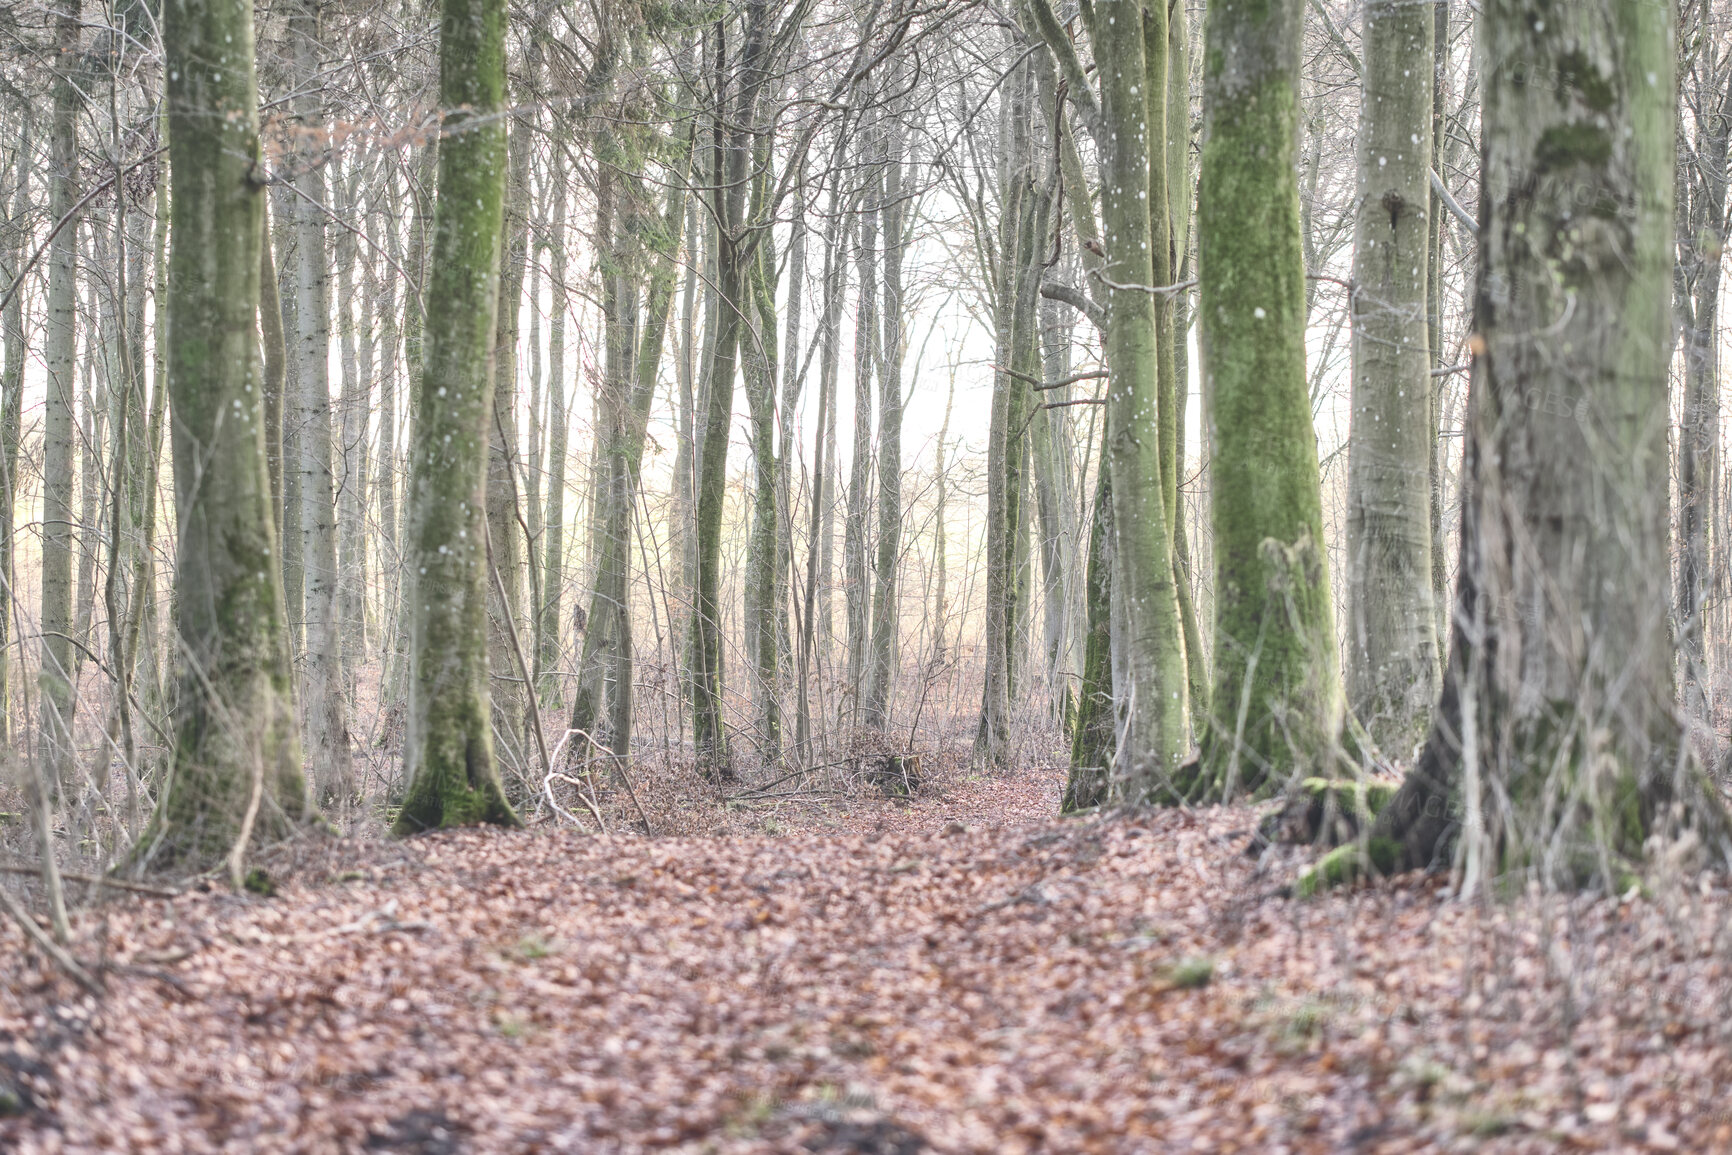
52	949
101	880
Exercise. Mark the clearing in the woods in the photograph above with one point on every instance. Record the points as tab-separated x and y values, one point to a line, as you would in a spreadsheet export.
961	973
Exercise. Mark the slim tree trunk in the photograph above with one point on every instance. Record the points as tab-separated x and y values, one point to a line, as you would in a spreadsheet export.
1393	665
60	360
761	358
276	352
237	767
816	624
448	753
886	619
12	412
327	728
355	359
547	645
866	338
509	549
604	689
734	253
1702	214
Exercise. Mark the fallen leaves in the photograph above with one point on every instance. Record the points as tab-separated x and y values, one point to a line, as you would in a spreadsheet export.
1023	983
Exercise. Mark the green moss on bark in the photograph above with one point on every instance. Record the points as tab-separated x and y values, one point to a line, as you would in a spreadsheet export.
454	780
1276	697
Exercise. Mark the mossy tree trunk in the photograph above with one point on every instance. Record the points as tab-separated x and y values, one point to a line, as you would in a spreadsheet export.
450	765
236	770
1276	701
547	647
1140	644
1393	665
1555	747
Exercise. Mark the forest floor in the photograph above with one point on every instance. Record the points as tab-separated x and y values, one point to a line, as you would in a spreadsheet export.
960	973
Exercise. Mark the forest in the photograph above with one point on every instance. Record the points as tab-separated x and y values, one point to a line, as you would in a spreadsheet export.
864	575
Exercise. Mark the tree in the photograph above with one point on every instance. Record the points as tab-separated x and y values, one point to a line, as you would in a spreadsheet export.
1706	93
60	357
1393	665
327	725
1276	697
735	245
448	752
1129	123
237	767
1555	746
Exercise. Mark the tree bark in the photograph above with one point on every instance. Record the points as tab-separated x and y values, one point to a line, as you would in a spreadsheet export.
1555	747
54	739
327	727
1277	696
449	758
237	767
1393	665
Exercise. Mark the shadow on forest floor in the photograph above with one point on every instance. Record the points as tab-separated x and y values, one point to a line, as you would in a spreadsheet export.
961	972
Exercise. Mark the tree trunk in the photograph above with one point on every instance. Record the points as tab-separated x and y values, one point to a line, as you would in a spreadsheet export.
1701	214
734	253
1277	697
886	618
327	729
355	359
858	606
237	766
816	625
12	413
1555	747
55	749
1392	649
448	753
508	547
547	647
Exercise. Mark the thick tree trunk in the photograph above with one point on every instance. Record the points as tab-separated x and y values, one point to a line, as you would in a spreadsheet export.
1555	749
1277	696
450	765
237	766
1393	664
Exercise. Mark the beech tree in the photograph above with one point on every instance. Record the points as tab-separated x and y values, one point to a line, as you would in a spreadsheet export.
1393	664
1276	700
448	753
237	769
1554	750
